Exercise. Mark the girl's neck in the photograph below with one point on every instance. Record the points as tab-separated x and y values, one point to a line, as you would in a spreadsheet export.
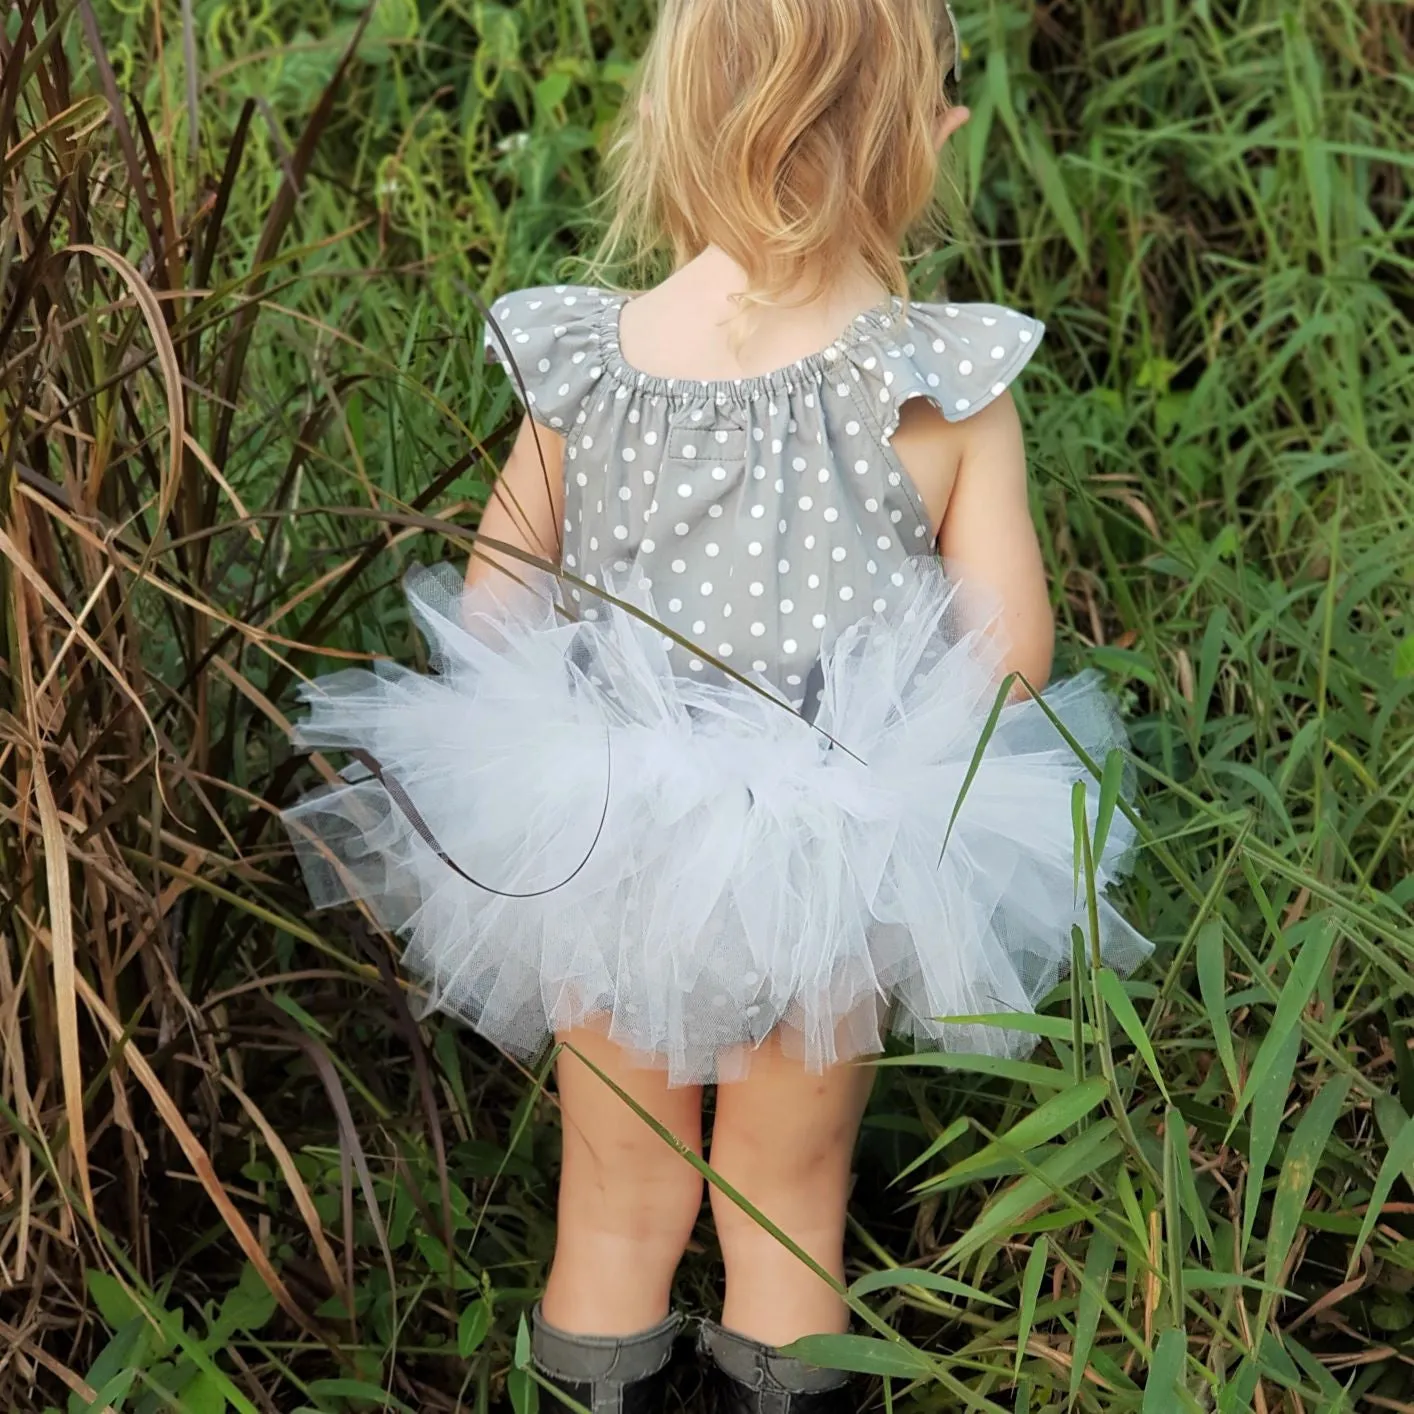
693	326
716	276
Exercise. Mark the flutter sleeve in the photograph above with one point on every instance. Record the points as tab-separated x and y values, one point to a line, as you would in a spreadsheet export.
550	337
960	357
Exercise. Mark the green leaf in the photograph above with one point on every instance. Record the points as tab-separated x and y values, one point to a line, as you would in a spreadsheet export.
248	1306
1049	176
1094	1283
1058	1028
1398	1160
861	1354
522	1358
1045	1077
551	91
346	1387
1122	1009
1298	1172
1164	1387
125	1354
950	1135
1266	1122
1089	1151
1031	1280
1300	984
1206	1279
1212	975
115	1303
1078	828
1182	1166
203	1395
1059	1113
524	1392
475	1322
1111	782
300	1016
113	1391
999	703
1404	658
893	1277
1209	660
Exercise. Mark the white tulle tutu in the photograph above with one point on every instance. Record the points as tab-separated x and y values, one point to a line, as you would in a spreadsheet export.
704	865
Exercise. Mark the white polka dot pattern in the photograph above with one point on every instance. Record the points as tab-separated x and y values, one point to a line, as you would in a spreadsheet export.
791	471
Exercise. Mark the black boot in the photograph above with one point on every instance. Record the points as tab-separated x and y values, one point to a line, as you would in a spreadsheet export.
607	1374
752	1378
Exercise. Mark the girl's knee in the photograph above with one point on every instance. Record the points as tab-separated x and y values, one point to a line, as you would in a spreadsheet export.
789	1183
662	1205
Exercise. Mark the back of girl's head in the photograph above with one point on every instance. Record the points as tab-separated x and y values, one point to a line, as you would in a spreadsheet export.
800	136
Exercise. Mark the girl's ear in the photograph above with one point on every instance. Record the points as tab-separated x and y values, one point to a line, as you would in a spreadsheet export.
948	124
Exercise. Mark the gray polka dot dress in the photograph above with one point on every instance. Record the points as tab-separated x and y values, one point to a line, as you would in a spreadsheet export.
735	771
760	511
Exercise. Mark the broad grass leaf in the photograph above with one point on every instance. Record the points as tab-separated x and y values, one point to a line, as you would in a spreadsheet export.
1164	1387
950	1135
346	1387
1085	1154
1056	1028
1267	1115
1044	1077
1209	659
1206	1279
113	1391
1111	783
894	1277
1275	1363
1334	1397
1078	828
1303	1154
862	1355
300	1016
998	86
1260	785
1031	1280
1212	974
1058	1114
1129	1201
124	1354
1094	1282
1182	1169
1047	170
999	702
1122	1009
1235	1396
1300	985
1399	1159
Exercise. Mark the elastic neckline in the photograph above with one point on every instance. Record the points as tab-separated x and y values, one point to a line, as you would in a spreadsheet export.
804	372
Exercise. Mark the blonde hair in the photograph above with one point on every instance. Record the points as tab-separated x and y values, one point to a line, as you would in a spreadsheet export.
800	136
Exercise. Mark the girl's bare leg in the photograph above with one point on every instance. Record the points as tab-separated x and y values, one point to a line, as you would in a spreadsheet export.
784	1139
628	1202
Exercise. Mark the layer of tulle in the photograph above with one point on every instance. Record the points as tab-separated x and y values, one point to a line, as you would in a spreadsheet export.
692	866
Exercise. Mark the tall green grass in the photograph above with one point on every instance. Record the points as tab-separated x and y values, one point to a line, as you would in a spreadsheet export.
240	390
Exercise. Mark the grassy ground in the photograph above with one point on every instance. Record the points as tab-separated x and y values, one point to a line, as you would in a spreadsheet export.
240	391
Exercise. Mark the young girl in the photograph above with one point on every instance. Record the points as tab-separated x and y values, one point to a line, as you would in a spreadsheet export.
698	806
